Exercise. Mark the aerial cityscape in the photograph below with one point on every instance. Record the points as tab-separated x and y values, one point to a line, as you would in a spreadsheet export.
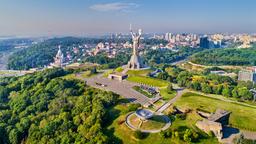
128	72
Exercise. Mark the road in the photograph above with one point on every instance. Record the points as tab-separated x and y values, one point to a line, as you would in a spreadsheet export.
178	62
123	88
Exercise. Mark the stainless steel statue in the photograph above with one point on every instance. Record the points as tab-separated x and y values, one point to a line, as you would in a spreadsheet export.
135	61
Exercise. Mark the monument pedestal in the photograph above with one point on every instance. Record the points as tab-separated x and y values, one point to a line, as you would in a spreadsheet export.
135	62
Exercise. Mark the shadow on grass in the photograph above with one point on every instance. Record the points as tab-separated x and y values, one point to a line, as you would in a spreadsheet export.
228	131
125	101
111	115
112	137
140	135
145	135
109	118
158	118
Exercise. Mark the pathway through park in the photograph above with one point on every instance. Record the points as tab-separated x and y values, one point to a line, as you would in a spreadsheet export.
180	92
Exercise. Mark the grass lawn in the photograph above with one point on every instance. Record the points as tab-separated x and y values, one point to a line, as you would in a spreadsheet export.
70	77
108	72
135	121
152	108
87	74
241	117
166	95
159	103
139	72
190	67
223	97
156	122
123	134
119	69
8	72
148	81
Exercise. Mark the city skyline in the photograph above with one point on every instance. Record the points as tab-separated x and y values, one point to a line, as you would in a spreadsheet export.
87	17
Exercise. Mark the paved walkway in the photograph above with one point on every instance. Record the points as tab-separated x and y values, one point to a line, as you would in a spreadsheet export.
167	125
249	134
123	88
166	105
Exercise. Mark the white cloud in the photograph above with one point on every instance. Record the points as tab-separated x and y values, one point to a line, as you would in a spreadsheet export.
118	6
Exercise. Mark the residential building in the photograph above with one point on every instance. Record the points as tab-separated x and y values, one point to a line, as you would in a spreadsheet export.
247	75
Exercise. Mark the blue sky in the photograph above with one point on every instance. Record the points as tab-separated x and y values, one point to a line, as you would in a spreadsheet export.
93	17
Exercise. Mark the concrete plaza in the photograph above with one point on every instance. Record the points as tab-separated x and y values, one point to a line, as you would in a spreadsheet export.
123	88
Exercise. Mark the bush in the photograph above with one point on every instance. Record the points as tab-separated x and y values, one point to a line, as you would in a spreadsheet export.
119	69
181	116
133	107
139	135
170	89
190	136
172	117
162	134
206	88
166	134
175	134
211	134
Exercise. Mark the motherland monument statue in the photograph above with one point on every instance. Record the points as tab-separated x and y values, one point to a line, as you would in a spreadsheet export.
135	61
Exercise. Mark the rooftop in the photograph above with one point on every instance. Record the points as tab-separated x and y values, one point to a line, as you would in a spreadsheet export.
118	74
218	114
144	113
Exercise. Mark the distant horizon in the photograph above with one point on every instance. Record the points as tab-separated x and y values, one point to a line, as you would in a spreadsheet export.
101	17
108	34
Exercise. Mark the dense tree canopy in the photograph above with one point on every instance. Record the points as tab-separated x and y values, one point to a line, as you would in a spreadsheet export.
8	44
165	56
120	59
46	108
42	54
210	83
227	56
